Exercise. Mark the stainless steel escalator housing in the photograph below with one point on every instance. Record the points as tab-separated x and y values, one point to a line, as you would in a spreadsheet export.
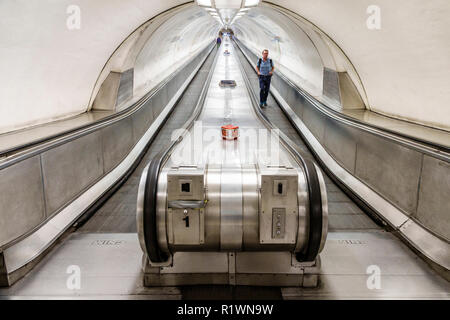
231	221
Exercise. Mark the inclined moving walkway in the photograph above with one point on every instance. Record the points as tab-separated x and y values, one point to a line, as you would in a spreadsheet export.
240	258
249	211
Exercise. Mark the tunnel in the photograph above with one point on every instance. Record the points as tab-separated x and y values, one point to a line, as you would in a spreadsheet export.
242	149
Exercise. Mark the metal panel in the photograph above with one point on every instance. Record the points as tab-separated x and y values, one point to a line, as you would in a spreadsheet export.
279	84
107	95
185	226
198	262
314	120
231	230
142	120
265	262
125	91
171	87
117	140
341	141
290	95
159	101
331	88
279	204
212	216
434	196
250	202
390	169
299	104
70	168
185	184
350	97
22	205
271	280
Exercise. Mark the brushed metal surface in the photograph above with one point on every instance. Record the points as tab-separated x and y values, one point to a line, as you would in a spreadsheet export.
433	208
285	205
140	209
125	90
231	214
303	216
21	199
117	141
161	203
325	213
250	196
390	169
71	168
331	88
212	212
340	143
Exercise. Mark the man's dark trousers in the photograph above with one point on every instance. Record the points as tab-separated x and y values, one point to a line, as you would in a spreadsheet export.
264	85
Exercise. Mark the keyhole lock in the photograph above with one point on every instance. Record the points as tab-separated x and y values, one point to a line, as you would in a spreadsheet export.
186	218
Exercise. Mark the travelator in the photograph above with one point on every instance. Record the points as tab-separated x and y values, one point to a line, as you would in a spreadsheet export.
239	212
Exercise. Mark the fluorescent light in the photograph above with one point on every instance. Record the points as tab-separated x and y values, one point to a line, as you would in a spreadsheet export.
205	3
251	3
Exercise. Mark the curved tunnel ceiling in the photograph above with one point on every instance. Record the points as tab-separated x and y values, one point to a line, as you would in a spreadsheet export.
51	72
404	64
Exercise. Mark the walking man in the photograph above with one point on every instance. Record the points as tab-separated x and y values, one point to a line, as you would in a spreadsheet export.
265	70
219	42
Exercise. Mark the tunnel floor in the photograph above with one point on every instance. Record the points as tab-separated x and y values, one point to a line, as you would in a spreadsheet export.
110	268
106	249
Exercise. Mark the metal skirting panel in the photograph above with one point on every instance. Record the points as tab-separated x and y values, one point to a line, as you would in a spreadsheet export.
22	201
390	169
434	197
340	143
117	141
70	168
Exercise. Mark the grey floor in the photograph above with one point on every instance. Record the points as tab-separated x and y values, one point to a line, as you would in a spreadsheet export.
107	250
